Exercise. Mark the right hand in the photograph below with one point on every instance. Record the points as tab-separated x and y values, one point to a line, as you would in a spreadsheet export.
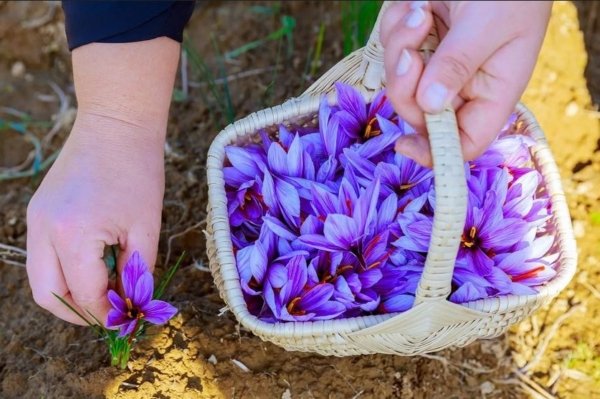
485	58
107	185
99	192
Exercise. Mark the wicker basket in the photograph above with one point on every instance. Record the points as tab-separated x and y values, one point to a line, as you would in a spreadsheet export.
433	323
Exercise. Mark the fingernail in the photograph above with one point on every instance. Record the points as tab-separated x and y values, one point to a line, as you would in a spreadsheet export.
415	18
435	97
418	4
403	63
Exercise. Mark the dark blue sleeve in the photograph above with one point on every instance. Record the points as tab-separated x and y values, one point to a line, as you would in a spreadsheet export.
124	21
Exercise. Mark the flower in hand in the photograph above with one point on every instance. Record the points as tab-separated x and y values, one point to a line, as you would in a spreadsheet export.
137	303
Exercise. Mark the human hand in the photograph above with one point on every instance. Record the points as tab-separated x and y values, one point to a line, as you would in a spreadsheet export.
99	192
481	67
107	185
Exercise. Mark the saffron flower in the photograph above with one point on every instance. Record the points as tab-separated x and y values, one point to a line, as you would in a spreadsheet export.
329	222
137	304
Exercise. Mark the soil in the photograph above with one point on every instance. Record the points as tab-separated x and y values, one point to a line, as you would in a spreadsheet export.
196	355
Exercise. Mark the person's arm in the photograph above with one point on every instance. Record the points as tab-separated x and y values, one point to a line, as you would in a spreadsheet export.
485	58
107	185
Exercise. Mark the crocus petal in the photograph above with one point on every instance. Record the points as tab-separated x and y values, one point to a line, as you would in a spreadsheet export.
128	328
381	105
243	263
295	158
387	211
269	195
316	296
371	300
258	261
116	301
133	270
506	233
323	202
351	100
116	318
466	293
329	310
327	170
318	241
158	312
500	281
541	246
285	137
370	277
297	277
375	251
277	157
362	165
233	176
144	289
417	229
365	210
277	227
374	146
398	303
242	160
348	123
311	225
522	289
482	263
330	137
277	275
272	300
342	291
288	198
341	230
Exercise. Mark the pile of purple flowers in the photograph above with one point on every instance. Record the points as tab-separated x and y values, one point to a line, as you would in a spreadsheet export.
329	222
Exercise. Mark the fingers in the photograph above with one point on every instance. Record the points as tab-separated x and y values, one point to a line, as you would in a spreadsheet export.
416	147
144	239
467	45
404	27
85	271
46	279
495	90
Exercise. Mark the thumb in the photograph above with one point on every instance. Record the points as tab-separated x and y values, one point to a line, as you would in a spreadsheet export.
467	45
144	240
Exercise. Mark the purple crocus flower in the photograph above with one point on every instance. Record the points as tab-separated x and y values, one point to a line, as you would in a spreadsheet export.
330	222
291	299
358	119
137	304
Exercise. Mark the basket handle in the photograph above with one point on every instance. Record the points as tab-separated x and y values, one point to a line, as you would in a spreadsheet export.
449	174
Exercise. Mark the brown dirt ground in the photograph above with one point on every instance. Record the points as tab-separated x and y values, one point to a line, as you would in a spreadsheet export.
41	356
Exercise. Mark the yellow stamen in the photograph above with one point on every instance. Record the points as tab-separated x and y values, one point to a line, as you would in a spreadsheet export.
472	232
128	303
469	241
407	186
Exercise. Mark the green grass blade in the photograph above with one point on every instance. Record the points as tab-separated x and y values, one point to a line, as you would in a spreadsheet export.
358	19
318	48
287	26
228	103
201	69
167	277
72	309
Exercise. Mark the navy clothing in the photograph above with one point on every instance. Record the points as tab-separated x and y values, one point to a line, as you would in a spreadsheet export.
124	21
